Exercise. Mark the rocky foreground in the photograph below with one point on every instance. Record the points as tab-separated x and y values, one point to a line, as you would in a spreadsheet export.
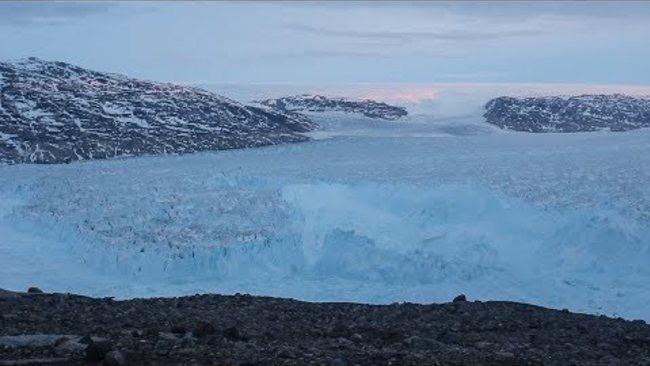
37	328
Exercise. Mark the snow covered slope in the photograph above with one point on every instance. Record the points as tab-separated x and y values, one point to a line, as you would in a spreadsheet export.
53	112
319	103
574	114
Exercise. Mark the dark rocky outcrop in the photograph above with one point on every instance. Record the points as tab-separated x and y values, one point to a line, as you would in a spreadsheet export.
54	112
319	103
572	114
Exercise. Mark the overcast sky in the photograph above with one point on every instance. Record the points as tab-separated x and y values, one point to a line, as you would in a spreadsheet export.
211	42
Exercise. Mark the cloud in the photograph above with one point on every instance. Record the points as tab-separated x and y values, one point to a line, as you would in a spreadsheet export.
443	34
337	41
358	54
48	13
334	54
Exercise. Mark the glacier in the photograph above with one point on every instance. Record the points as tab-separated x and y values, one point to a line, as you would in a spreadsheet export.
418	210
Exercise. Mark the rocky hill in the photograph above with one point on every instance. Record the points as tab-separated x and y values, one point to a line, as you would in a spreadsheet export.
319	103
571	114
53	112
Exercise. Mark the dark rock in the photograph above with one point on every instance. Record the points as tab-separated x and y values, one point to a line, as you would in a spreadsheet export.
97	350
34	290
337	362
204	328
150	332
232	334
460	298
389	336
178	329
114	358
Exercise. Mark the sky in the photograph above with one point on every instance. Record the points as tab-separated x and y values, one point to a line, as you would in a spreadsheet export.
339	42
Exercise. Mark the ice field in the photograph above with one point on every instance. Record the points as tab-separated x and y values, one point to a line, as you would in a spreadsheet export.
417	210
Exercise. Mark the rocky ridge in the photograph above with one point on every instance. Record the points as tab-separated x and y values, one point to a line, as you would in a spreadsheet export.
569	114
54	112
319	103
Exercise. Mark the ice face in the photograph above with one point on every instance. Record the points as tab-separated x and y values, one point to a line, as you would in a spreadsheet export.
375	212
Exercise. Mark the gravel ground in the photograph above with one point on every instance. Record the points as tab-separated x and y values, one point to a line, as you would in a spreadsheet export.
37	328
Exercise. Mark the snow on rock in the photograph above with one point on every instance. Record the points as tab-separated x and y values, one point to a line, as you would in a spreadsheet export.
54	112
319	103
573	114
